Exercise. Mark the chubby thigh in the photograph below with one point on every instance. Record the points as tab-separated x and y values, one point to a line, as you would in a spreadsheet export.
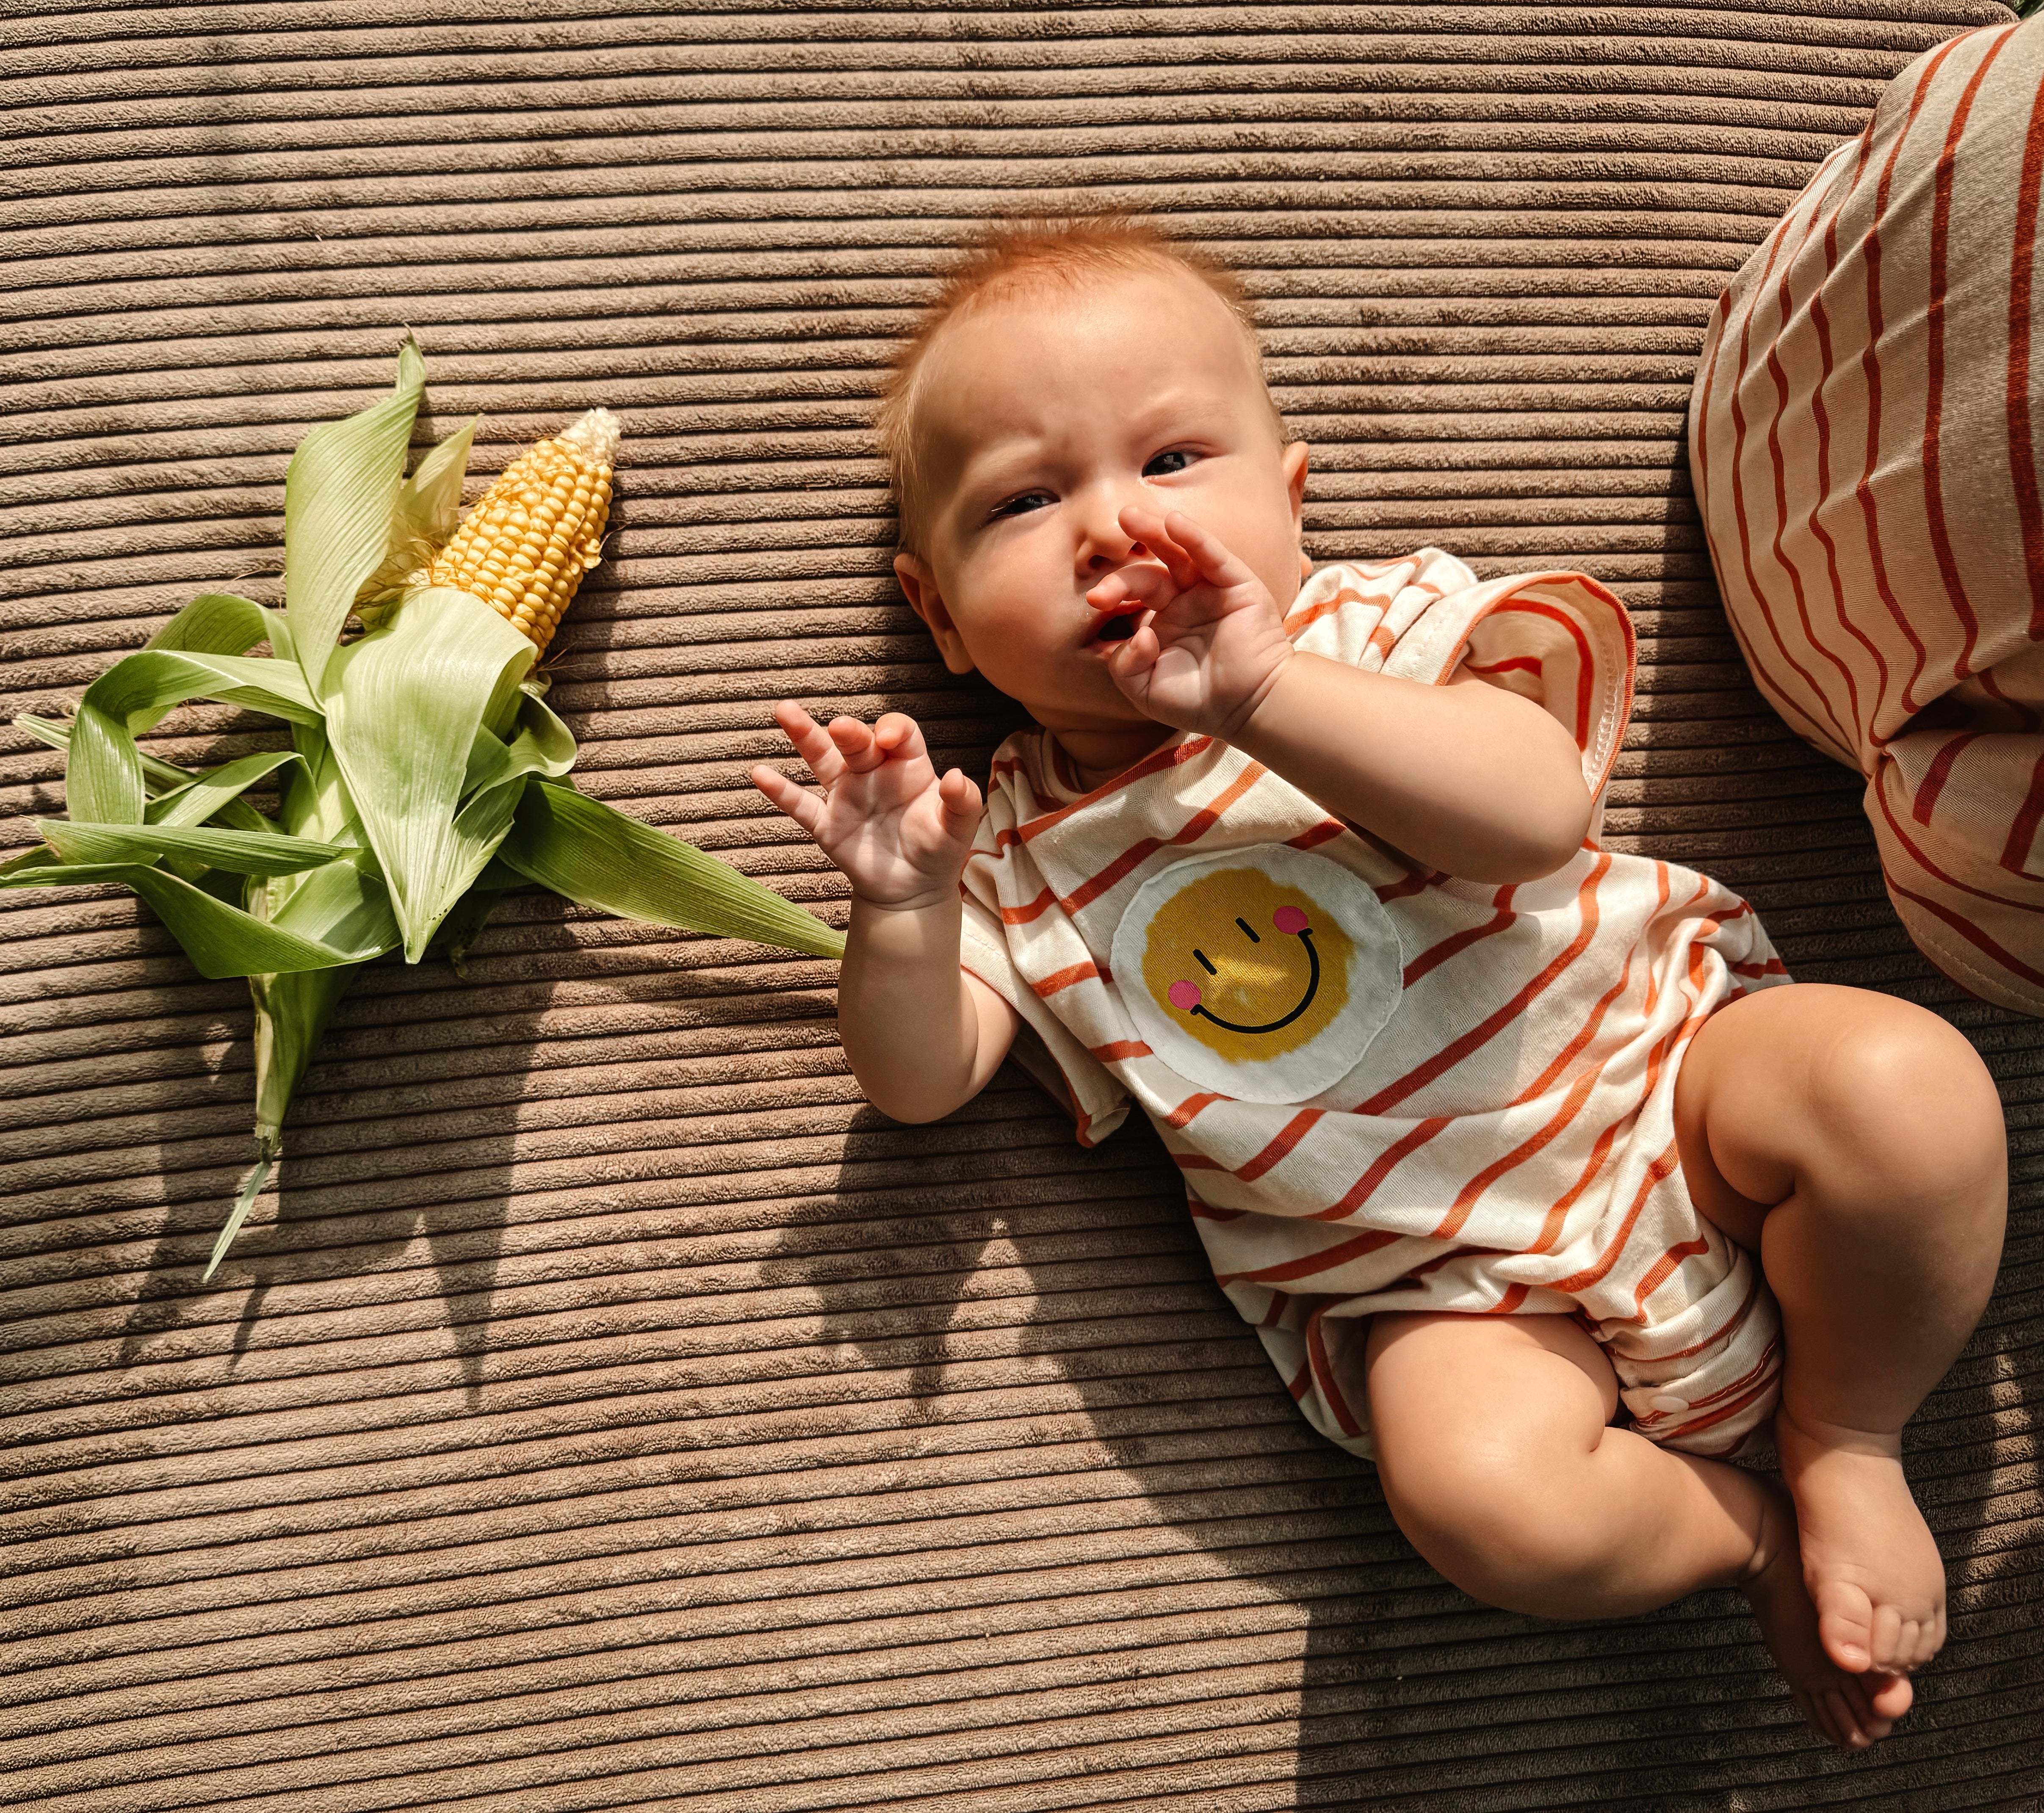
1499	1462
1488	1384
1478	1420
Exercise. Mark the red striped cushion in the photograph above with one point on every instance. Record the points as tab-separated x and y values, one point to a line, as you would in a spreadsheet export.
1864	440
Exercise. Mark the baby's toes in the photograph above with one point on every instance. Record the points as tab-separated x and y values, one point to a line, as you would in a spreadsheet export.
1825	1713
1875	1702
1911	1644
1841	1717
1844	1625
1890	1640
1898	1639
1886	1696
1922	1638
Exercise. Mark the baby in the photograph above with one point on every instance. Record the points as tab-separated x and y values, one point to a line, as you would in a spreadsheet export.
1486	1128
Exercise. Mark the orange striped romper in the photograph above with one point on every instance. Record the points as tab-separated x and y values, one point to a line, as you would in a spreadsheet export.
1388	1088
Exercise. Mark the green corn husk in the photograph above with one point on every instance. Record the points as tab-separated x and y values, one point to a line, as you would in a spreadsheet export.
426	774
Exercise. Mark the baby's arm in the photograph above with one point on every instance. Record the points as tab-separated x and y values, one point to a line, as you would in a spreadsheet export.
921	1035
1464	778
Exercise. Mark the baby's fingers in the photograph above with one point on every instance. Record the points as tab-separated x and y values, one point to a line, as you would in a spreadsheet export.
959	798
1217	566
1149	528
1147	586
896	734
811	743
856	745
798	803
1130	663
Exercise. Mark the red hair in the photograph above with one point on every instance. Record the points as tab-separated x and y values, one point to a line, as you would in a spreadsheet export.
1069	251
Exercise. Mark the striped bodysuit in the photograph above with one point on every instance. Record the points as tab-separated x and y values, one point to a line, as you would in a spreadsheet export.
1388	1088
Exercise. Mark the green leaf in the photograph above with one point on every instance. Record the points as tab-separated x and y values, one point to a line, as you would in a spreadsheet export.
339	492
480	826
498	771
460	929
222	884
216	623
52	731
268	1150
317	803
411	367
344	904
158	776
160	779
40	856
540	744
221	939
200	798
103	778
597	857
405	704
239	852
152	677
422	518
430	499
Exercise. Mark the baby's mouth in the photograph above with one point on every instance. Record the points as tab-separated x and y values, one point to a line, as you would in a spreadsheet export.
1117	627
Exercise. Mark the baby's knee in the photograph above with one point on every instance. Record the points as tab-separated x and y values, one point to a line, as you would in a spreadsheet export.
1901	1094
1512	1529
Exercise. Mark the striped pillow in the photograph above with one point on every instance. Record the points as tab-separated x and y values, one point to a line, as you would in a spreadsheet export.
1864	438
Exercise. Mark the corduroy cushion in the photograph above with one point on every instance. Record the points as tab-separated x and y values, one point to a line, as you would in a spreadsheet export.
611	1411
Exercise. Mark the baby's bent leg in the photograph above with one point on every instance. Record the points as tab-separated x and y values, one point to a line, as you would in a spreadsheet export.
1497	1460
1855	1141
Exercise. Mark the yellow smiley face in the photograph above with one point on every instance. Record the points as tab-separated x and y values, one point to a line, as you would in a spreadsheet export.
1250	966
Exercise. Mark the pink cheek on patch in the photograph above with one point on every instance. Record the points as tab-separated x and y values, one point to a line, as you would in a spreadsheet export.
1289	919
1185	996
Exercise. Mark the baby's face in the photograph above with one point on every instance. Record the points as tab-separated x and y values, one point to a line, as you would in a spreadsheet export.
1045	413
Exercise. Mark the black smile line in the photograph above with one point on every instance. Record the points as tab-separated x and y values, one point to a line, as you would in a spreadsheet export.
1305	1000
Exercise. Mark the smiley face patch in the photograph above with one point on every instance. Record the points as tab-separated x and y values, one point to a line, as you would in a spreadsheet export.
1262	972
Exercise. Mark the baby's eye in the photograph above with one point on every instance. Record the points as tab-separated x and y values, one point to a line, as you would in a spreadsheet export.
1163	465
1022	506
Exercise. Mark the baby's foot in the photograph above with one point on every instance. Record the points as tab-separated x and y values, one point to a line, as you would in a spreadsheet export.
1850	1709
1872	1567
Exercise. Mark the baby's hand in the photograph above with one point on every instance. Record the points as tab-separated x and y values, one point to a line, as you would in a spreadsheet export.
1210	646
900	834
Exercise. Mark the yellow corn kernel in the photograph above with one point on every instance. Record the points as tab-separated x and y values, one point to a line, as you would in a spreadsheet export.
528	541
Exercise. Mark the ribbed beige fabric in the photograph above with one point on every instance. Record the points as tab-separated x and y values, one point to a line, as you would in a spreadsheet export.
611	1412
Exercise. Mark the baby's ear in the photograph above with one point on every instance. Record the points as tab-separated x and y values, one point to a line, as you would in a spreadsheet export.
919	586
1292	463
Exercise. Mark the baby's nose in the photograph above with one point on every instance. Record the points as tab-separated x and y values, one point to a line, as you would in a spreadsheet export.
1100	561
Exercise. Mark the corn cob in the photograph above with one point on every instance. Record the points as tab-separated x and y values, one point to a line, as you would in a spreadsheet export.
525	545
